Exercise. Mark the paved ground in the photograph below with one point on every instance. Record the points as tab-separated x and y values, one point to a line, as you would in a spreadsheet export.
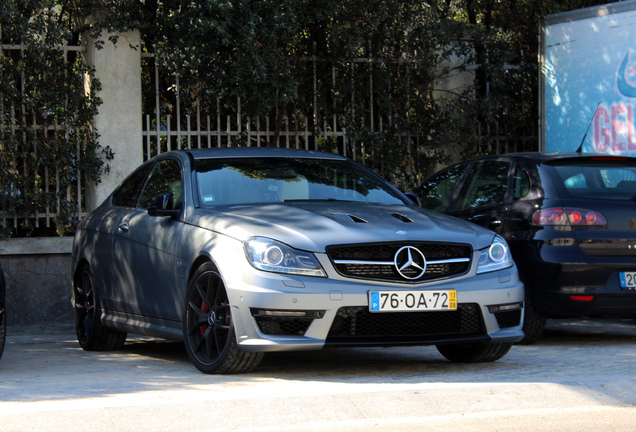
580	377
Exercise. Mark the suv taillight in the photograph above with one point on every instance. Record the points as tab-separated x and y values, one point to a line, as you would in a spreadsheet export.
568	216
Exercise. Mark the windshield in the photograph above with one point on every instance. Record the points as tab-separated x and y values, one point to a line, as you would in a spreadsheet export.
597	181
239	181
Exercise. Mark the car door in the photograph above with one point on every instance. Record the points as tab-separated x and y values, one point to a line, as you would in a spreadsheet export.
500	195
123	204
144	249
483	196
438	191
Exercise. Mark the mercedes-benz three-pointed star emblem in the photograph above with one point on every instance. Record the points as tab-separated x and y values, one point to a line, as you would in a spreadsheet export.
410	262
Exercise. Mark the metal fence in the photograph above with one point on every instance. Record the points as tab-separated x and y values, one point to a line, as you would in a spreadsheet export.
28	131
171	123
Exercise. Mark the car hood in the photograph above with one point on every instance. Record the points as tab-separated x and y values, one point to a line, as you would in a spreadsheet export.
313	226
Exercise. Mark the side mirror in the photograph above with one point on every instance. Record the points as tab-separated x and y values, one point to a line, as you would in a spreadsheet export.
414	198
161	206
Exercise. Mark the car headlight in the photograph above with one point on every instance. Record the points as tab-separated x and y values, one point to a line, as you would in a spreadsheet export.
271	255
495	257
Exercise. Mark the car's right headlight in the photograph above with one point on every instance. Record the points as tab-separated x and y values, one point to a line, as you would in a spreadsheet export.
495	257
271	255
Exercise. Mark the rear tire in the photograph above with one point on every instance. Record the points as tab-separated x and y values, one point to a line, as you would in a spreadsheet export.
533	323
92	335
3	312
3	330
474	352
208	328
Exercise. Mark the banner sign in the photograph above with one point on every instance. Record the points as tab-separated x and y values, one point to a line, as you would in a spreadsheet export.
589	81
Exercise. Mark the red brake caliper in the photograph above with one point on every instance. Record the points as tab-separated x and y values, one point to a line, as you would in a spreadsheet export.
205	309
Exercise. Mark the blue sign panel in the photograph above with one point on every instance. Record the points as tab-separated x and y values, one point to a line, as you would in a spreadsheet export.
589	71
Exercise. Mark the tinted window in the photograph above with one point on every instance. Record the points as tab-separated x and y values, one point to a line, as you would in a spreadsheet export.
486	185
596	181
127	194
273	179
165	178
437	192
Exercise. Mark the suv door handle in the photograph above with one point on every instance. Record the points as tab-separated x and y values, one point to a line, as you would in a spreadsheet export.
123	227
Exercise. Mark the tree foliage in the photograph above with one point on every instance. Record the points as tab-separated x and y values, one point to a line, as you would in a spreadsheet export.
46	144
416	55
444	78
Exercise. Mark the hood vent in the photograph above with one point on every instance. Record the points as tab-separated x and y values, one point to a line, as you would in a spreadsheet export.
402	217
356	219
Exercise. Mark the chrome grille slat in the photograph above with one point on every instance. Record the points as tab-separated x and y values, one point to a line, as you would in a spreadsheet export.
377	261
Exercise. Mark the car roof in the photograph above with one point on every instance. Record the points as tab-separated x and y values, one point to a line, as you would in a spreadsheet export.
233	152
545	157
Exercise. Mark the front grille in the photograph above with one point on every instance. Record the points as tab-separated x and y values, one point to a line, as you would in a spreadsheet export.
283	326
377	261
358	325
508	318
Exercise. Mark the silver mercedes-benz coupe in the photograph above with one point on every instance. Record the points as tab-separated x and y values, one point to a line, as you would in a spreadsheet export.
242	251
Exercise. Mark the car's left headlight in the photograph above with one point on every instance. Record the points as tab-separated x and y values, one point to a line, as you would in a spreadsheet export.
270	255
495	257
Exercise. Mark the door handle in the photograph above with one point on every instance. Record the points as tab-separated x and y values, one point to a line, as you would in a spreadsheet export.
494	223
123	227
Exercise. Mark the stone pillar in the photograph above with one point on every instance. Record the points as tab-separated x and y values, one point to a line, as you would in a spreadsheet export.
119	121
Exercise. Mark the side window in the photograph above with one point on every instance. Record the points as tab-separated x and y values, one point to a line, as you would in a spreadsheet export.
438	191
486	186
165	178
521	183
127	194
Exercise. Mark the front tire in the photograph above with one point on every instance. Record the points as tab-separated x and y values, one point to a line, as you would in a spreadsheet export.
208	328
92	335
479	352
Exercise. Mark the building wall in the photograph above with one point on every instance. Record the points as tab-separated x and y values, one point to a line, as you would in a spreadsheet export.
37	273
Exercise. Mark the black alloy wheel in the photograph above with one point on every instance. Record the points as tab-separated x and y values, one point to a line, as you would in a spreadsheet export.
91	334
208	328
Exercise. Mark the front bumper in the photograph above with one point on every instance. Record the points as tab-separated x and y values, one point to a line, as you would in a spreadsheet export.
274	312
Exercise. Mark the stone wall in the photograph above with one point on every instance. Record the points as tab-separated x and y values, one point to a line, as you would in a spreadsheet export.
37	273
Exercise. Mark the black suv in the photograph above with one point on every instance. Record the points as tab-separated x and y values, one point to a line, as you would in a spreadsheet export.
570	221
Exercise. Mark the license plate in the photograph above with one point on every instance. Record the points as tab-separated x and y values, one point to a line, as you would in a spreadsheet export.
628	280
413	301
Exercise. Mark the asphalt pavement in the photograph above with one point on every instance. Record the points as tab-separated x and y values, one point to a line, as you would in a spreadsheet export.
579	377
